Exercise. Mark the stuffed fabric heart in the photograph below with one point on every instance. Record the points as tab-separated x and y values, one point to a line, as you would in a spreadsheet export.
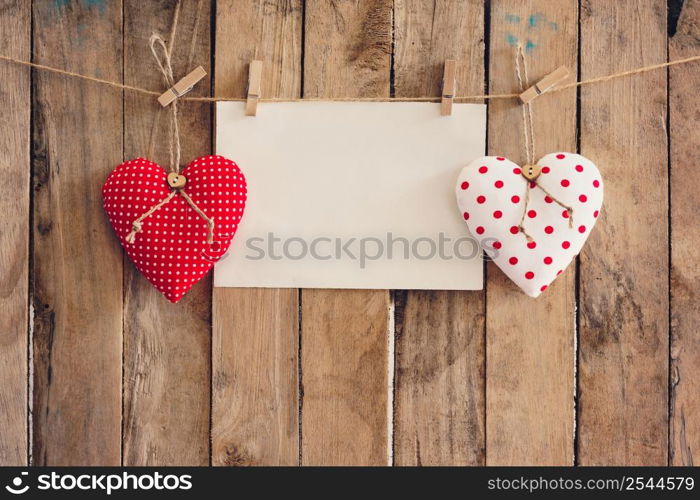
170	246
563	203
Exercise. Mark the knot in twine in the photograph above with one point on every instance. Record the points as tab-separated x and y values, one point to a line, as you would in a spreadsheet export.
166	69
529	144
136	227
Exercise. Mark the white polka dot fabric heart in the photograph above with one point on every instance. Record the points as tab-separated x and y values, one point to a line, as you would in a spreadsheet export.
171	249
491	195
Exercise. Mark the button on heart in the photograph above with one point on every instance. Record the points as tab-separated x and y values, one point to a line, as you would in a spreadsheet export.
171	248
531	172
176	181
531	227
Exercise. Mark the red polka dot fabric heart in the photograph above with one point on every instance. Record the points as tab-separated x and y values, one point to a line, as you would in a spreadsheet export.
492	195
171	249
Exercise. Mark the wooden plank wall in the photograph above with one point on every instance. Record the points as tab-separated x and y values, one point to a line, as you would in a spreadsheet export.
623	295
530	417
684	432
77	264
15	106
255	417
344	333
440	349
166	346
97	369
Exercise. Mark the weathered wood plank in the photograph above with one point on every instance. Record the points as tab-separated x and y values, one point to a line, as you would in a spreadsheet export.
624	339
255	419
344	332
166	346
344	375
256	414
15	35
439	394
77	293
530	343
440	352
685	214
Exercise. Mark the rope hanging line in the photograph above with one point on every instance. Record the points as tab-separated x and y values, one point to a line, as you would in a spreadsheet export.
528	121
176	180
559	88
166	69
529	144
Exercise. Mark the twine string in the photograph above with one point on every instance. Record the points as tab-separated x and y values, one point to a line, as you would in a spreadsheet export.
137	225
529	144
528	130
209	221
559	88
521	224
528	126
157	43
166	69
569	210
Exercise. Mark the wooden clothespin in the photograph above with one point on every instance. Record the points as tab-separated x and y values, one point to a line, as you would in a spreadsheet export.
547	83
449	87
182	87
254	88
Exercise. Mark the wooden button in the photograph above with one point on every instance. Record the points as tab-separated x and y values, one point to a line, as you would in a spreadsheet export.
531	172
176	181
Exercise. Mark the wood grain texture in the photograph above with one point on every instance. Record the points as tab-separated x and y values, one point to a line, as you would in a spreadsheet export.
685	214
264	30
439	374
344	375
15	36
77	282
344	345
166	346
425	36
83	294
255	418
347	48
256	413
439	389
624	340
530	343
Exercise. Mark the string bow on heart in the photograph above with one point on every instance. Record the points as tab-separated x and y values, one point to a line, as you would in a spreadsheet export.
531	171
176	180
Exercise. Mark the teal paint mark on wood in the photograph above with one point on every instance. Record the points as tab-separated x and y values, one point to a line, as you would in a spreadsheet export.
538	20
532	20
513	41
100	5
535	22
